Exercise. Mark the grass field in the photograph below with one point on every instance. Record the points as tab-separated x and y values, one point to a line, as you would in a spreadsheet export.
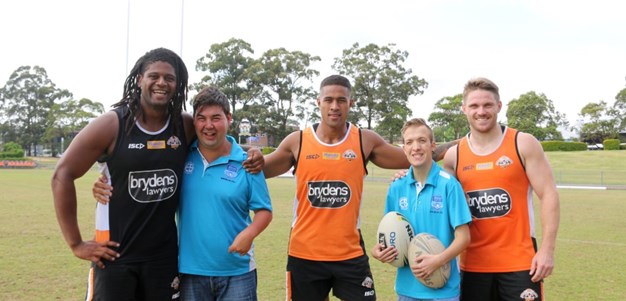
36	264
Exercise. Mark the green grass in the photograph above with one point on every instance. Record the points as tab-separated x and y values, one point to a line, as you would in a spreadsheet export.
36	264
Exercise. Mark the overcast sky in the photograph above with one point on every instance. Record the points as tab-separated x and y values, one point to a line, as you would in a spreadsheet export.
572	51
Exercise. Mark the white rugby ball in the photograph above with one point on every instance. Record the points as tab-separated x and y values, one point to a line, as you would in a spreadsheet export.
395	230
425	243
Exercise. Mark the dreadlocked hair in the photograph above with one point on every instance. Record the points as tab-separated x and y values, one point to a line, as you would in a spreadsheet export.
132	92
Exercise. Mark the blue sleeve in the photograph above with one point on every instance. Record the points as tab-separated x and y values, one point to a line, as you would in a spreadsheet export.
459	210
259	194
391	203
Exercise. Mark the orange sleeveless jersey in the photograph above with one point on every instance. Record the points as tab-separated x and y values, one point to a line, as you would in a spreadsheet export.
500	200
327	206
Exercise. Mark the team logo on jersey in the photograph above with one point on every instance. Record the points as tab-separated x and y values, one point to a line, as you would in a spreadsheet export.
156	144
489	203
189	167
330	156
174	142
328	194
148	186
403	202
436	204
504	162
136	146
529	295
484	166
230	172
349	155
312	157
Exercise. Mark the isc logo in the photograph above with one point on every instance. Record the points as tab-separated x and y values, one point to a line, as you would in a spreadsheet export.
136	146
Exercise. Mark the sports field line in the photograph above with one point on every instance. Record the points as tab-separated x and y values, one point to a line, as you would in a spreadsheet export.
580	187
593	242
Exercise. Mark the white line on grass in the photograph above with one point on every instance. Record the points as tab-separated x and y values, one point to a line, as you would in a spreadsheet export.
593	242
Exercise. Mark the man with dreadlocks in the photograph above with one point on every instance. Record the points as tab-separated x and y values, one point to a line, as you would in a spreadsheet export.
141	146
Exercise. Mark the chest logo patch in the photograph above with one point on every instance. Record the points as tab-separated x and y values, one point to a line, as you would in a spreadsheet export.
489	203
504	162
174	142
328	194
149	186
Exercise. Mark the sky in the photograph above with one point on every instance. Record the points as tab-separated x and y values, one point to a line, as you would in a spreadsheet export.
572	51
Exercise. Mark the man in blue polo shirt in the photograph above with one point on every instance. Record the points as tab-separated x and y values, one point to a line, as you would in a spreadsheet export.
216	254
434	202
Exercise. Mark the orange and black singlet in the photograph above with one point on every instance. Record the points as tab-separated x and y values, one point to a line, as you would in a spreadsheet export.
500	200
327	205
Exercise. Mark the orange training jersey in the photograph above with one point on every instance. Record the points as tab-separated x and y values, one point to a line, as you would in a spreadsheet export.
327	206
500	200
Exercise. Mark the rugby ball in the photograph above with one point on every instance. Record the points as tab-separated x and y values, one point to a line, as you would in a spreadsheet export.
425	243
394	230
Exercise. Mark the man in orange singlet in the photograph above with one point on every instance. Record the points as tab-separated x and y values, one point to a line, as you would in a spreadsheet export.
499	168
326	249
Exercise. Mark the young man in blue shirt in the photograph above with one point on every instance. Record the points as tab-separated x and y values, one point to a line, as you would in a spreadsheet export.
434	202
216	254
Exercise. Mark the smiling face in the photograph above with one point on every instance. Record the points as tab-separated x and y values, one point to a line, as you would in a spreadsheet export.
481	109
418	145
211	124
334	103
158	84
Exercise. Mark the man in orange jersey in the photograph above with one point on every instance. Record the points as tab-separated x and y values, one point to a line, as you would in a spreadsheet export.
499	168
326	249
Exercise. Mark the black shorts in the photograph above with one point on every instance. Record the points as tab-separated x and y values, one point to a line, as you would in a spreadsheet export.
154	280
500	287
309	280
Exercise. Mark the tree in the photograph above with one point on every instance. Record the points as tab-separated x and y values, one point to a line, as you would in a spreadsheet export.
28	97
447	119
228	66
535	114
286	77
66	119
599	124
382	85
620	109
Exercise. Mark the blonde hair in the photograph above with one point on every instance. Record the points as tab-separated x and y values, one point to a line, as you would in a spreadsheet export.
418	122
481	83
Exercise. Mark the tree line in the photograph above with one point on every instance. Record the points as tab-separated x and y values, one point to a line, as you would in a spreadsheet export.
275	93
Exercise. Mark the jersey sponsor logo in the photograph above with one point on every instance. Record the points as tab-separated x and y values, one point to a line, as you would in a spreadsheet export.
504	162
156	144
484	166
489	203
174	142
312	157
330	156
149	186
349	155
136	146
436	204
328	194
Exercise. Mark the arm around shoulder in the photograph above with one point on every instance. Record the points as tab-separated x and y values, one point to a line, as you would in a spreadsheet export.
381	153
284	157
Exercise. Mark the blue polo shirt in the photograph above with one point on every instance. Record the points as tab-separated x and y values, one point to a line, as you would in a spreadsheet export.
437	207
215	204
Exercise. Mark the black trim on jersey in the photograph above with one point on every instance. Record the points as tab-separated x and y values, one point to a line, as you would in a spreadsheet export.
295	163
362	152
519	155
